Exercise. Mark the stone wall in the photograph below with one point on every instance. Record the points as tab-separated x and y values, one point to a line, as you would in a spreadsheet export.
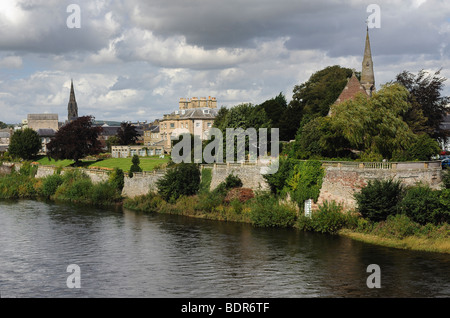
342	182
250	175
342	179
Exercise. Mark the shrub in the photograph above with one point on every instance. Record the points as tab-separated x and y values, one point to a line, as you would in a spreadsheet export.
135	165
117	179
306	181
27	169
50	184
183	179
420	203
267	211
150	202
379	199
329	218
205	180
103	193
398	226
446	179
232	181
240	194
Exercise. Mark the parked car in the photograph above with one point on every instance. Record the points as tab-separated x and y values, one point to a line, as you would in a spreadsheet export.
445	163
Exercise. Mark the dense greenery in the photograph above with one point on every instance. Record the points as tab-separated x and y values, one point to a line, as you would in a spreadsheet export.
25	144
127	134
72	186
301	179
425	94
313	99
181	180
379	199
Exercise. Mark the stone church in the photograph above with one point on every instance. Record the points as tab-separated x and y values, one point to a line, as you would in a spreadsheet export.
366	85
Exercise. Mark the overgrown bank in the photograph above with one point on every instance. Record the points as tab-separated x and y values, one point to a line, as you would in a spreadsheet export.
73	186
388	214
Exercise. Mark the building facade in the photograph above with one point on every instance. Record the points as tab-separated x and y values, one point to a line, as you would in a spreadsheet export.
195	121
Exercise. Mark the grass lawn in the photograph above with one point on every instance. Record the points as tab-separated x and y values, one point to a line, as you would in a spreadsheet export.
43	160
147	163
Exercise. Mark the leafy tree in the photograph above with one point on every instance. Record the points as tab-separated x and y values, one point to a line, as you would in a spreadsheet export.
3	125
127	134
183	179
375	126
25	144
423	148
75	140
274	109
112	141
241	116
425	90
319	138
313	98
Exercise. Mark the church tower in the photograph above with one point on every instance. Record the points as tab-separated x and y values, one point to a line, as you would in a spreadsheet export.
72	108
367	75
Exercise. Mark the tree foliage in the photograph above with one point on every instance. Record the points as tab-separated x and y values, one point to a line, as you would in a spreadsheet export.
127	134
75	140
312	99
425	91
25	144
375	126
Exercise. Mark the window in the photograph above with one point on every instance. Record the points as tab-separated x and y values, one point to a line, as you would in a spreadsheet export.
197	125
172	125
209	125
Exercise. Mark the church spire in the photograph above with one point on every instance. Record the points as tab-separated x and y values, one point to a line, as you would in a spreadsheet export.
367	75
72	107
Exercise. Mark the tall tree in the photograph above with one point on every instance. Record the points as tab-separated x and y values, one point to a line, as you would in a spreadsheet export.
425	90
127	134
75	140
375	126
25	144
274	109
313	99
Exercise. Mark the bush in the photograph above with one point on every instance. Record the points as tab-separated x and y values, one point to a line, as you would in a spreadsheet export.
420	204
205	180
305	181
27	169
267	211
117	179
446	179
103	193
50	184
329	218
135	165
379	199
397	226
232	181
183	179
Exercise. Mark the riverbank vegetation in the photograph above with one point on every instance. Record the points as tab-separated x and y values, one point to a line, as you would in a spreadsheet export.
74	186
387	213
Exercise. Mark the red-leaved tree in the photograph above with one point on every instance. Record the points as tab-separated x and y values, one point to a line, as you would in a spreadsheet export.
75	140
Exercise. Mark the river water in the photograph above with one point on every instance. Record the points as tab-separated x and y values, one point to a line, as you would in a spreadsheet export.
121	253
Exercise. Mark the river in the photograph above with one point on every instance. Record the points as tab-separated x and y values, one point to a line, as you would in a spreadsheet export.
121	253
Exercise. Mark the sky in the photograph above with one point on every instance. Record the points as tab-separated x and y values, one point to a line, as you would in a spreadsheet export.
132	60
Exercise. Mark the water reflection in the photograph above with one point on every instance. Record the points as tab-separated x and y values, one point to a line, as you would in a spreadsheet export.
122	253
